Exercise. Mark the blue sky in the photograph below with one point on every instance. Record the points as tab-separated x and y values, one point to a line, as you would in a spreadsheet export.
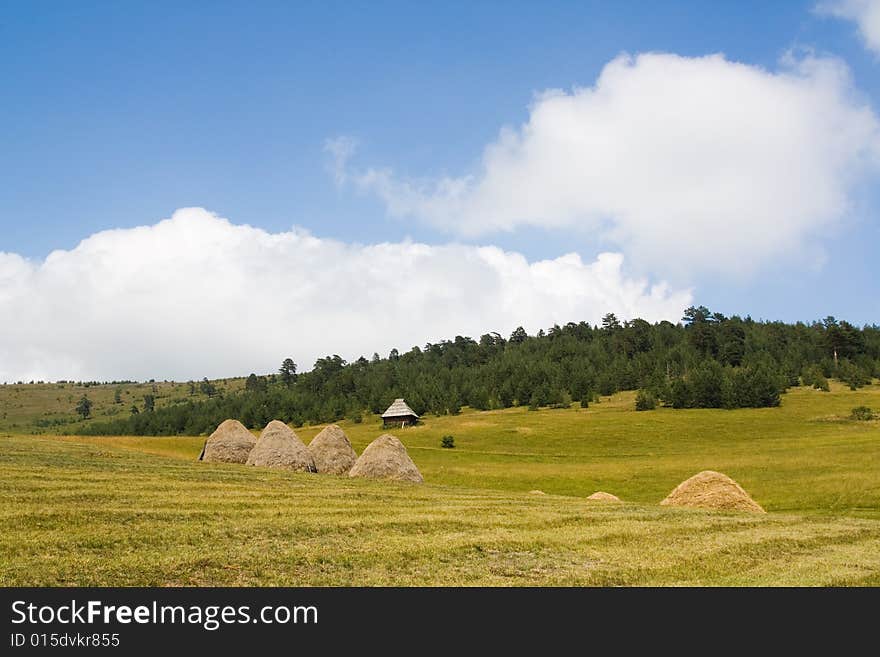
114	115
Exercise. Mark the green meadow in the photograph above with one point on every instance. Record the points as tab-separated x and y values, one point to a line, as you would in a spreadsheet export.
142	511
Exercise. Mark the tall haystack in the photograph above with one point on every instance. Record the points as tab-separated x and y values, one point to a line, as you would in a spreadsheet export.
602	496
332	451
386	458
231	442
279	447
712	490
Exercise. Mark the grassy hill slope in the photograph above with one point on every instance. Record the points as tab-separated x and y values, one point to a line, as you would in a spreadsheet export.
41	408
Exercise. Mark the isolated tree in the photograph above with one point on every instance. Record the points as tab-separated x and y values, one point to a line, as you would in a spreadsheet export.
149	403
84	407
192	388
207	388
287	372
117	396
585	399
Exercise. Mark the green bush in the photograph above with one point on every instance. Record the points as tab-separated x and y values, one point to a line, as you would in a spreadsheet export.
861	413
447	442
645	401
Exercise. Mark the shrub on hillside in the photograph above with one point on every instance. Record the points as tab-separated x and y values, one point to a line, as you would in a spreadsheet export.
645	401
861	413
447	442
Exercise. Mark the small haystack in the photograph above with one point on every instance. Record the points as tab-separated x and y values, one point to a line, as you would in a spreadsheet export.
602	496
537	492
712	490
279	447
231	442
332	451
386	458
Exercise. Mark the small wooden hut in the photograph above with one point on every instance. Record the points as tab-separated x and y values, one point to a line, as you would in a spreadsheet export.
399	414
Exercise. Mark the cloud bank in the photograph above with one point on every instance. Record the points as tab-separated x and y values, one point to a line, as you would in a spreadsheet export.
689	165
196	295
865	14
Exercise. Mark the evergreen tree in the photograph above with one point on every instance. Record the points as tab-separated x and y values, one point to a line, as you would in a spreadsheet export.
287	372
84	407
706	382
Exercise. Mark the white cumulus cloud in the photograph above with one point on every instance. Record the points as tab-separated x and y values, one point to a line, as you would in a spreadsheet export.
196	295
689	165
865	14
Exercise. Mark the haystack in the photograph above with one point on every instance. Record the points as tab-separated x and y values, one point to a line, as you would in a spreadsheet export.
279	447
712	490
332	451
602	496
386	458
537	492
230	443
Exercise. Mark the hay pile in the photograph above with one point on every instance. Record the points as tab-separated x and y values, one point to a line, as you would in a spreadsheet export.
537	492
712	490
332	451
386	458
279	447
602	496
230	443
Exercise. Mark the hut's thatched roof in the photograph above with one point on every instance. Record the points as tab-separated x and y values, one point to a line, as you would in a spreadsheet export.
399	409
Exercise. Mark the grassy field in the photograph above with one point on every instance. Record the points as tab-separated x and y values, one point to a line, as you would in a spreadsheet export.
85	515
127	511
45	408
804	457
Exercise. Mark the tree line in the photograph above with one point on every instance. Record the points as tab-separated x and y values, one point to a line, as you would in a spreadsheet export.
705	361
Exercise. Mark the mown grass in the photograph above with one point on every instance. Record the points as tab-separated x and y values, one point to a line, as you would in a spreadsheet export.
142	511
84	514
